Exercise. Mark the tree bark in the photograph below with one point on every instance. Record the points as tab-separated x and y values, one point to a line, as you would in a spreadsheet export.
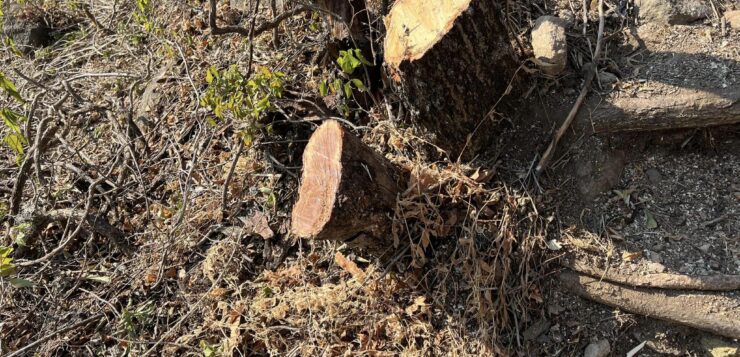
346	19
451	62
686	108
718	282
347	192
714	313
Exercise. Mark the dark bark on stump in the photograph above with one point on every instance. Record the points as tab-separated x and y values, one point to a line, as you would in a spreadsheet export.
451	64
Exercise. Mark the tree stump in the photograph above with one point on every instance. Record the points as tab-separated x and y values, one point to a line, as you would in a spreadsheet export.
451	62
347	192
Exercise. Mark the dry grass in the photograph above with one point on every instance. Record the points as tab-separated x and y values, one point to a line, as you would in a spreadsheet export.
188	278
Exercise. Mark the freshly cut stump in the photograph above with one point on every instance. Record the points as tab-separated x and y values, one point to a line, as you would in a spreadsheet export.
347	192
451	61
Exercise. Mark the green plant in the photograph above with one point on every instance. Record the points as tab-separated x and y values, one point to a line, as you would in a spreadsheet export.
143	15
15	140
343	84
210	350
7	268
134	321
245	99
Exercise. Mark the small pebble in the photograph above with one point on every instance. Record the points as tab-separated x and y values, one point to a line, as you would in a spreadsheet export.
655	257
714	265
705	248
600	348
654	176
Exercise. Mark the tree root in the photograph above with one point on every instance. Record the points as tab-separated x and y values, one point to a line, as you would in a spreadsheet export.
713	313
719	282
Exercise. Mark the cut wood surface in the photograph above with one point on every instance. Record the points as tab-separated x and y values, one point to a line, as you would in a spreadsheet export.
685	108
347	191
718	282
451	61
713	313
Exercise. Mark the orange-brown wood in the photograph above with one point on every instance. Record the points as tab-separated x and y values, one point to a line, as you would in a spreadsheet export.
347	192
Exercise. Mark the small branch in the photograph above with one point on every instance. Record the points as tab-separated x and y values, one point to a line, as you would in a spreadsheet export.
591	70
547	156
72	236
259	30
224	193
22	351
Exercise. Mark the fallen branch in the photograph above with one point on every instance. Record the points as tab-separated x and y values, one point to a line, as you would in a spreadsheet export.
713	313
720	282
684	108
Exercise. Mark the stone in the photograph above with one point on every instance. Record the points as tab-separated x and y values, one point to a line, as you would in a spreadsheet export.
673	12
554	309
733	18
24	25
550	45
704	248
655	257
599	348
654	176
537	328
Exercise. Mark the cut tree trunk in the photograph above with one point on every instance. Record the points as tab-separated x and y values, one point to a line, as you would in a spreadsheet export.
686	108
347	192
714	313
451	62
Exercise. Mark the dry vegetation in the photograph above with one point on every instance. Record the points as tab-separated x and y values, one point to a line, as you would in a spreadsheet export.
147	195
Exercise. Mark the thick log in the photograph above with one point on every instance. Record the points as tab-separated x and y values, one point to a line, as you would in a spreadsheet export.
347	192
451	62
714	313
686	108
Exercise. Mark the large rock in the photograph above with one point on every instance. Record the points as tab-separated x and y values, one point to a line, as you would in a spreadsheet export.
550	45
25	25
674	12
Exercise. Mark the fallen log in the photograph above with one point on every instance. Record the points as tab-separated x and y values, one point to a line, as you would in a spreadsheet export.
347	191
719	282
450	61
685	108
713	313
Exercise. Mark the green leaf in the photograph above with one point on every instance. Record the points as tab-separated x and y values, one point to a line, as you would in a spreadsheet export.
348	89
358	54
358	84
9	87
19	283
323	89
15	142
12	119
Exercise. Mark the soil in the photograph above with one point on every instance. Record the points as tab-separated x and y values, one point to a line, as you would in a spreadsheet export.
665	201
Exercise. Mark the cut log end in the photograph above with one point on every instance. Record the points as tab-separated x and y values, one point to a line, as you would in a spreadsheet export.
322	170
414	26
347	193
